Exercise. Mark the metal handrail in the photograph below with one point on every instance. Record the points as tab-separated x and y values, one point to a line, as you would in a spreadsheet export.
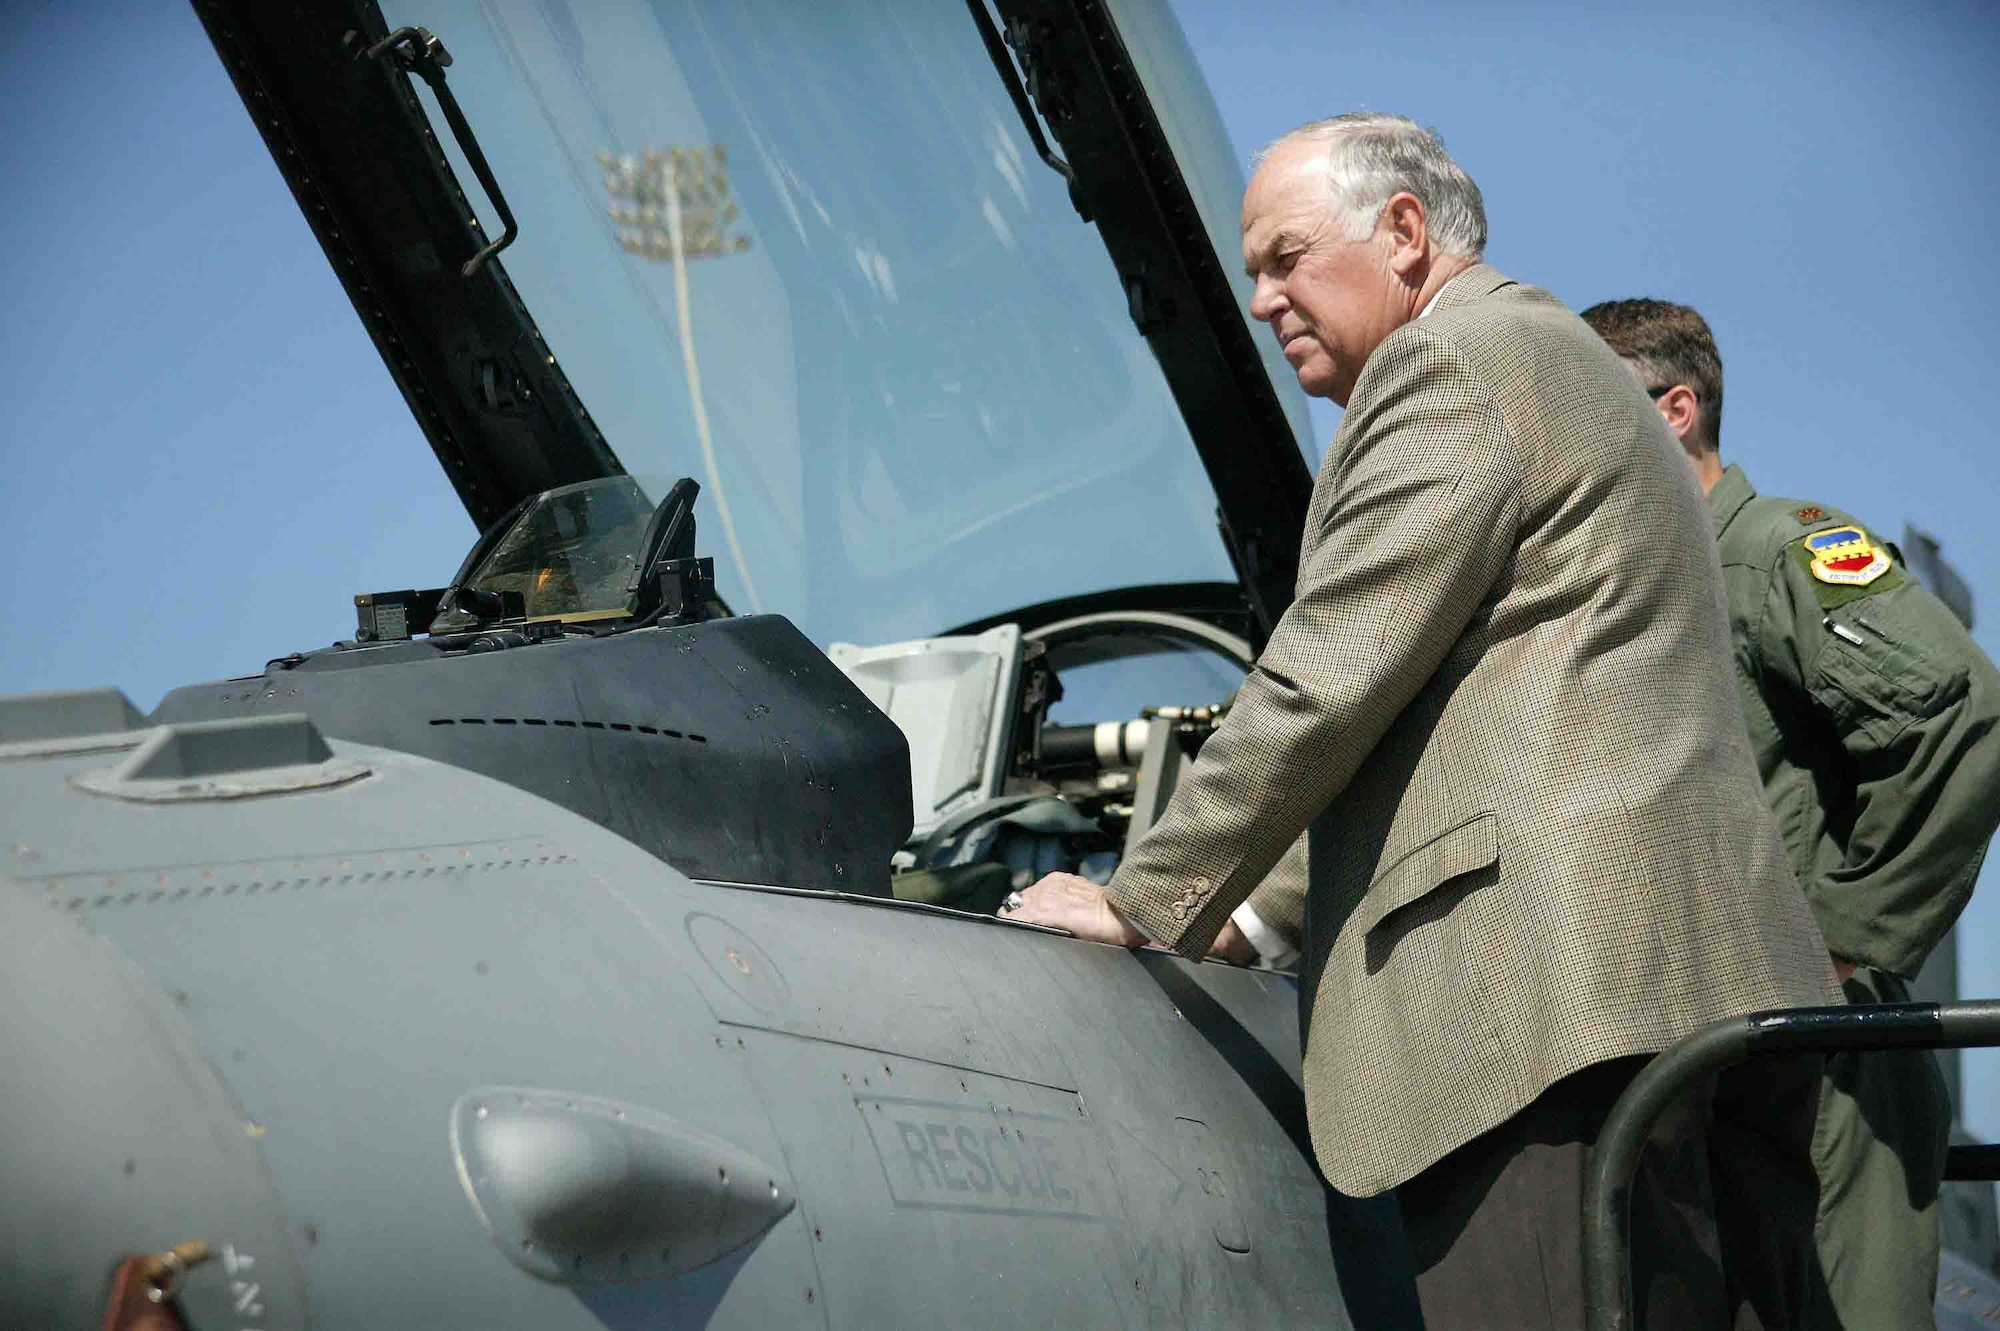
1976	1163
1607	1187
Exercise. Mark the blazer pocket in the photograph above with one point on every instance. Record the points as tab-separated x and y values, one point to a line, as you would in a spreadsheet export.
1469	846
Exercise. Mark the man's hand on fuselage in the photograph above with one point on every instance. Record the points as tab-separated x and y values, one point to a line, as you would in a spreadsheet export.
1233	946
1065	901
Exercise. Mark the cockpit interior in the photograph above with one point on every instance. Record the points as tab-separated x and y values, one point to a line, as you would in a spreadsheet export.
1046	741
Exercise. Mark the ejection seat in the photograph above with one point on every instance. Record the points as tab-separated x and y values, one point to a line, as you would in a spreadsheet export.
957	701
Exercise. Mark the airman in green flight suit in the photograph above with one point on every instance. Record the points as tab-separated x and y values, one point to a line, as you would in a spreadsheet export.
1875	721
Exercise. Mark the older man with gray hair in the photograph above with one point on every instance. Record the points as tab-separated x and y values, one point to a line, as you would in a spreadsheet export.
1501	702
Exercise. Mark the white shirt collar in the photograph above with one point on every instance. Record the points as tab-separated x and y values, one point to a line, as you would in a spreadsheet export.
1431	304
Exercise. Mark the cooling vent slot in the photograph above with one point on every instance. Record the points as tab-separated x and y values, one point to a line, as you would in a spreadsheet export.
659	732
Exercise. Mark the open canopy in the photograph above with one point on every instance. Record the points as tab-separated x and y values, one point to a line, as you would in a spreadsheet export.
812	257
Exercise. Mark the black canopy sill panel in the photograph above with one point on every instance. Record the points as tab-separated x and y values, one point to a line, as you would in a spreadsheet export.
733	750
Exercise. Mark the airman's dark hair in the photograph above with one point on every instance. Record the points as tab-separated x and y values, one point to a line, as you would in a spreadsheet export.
1671	344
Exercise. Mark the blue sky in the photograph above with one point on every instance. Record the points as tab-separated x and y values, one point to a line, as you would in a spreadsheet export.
205	459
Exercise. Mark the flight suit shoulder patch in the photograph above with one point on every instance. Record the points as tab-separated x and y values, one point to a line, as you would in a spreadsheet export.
1846	563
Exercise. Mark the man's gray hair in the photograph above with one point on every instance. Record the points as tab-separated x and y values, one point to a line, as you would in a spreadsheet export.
1371	156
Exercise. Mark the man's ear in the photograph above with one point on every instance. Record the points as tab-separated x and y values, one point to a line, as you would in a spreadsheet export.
1682	410
1409	232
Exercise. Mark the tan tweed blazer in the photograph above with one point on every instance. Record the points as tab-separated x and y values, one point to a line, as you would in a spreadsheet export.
1505	706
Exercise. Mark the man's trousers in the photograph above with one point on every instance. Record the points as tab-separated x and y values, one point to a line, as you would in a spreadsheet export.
1879	1148
1723	1206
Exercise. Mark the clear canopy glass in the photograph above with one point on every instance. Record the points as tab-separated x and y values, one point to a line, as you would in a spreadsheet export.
805	254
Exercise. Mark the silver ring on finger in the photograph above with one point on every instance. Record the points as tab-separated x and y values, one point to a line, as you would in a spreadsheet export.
1011	904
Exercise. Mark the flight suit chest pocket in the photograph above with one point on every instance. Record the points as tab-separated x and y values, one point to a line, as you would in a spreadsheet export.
1469	846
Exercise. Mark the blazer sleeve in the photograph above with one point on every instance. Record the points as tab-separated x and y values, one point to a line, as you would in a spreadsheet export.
1280	899
1419	519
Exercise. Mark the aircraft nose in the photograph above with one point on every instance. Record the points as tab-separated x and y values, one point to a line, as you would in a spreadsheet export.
82	1030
